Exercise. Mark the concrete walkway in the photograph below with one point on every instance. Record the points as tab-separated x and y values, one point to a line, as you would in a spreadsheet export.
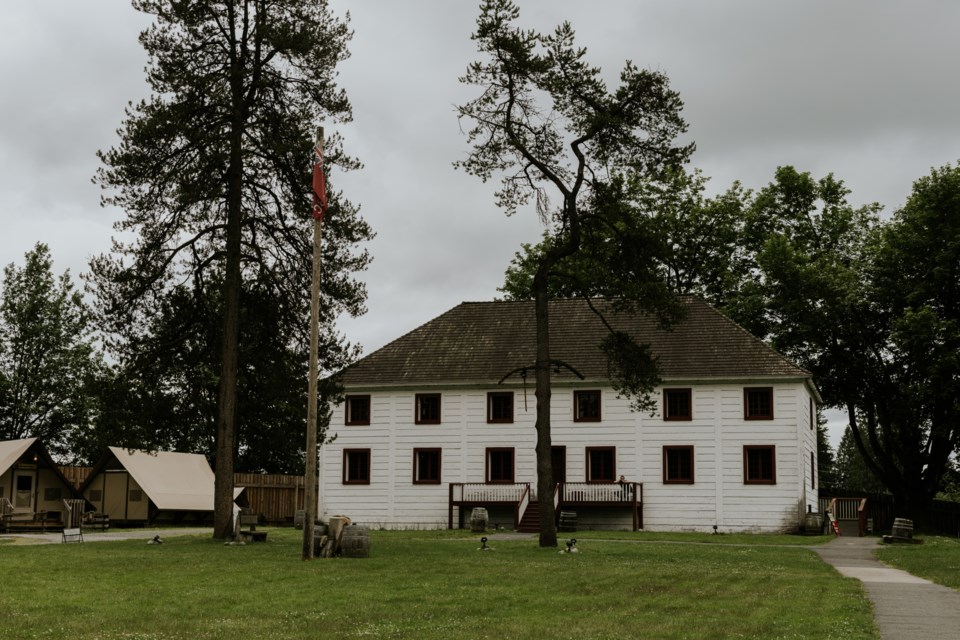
90	535
906	607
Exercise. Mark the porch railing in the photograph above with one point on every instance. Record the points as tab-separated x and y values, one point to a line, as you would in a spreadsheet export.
522	506
478	493
571	494
847	509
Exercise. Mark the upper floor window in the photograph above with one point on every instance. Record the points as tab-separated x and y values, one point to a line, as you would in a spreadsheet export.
356	466
813	414
427	408
500	465
758	403
357	410
601	464
759	464
813	470
500	406
677	404
426	466
586	406
678	464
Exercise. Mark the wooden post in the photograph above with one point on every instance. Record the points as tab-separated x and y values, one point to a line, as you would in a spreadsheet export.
310	473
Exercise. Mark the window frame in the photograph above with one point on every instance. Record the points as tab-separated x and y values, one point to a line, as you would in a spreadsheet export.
667	477
417	467
418	413
813	471
491	396
348	465
348	410
747	392
577	394
667	416
590	476
747	450
488	466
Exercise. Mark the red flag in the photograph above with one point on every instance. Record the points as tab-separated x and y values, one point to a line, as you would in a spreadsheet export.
319	185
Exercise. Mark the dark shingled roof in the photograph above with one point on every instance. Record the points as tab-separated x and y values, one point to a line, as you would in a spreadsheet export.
481	342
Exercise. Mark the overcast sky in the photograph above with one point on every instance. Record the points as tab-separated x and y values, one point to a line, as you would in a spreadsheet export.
866	89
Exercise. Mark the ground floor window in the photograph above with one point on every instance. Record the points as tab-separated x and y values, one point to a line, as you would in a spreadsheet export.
601	464
426	466
759	464
500	465
678	465
356	466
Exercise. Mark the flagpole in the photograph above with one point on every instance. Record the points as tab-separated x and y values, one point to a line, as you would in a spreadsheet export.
310	479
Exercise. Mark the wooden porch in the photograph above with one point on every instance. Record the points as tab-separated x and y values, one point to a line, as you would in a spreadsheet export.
566	496
849	513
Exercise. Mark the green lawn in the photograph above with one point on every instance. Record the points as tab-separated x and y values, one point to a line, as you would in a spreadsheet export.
427	585
937	559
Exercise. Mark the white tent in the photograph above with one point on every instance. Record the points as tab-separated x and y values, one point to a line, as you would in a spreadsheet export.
173	481
133	485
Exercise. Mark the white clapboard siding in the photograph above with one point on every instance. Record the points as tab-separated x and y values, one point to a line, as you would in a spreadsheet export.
717	432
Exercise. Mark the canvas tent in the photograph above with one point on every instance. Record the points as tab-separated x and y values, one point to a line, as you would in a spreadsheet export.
140	486
30	481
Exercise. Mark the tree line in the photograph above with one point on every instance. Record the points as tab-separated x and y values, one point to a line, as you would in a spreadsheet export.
192	332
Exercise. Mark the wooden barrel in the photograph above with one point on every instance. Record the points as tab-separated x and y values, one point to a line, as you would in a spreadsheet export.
813	524
355	542
478	520
902	528
568	521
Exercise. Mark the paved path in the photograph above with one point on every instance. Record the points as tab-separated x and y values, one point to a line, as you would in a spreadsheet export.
101	536
906	607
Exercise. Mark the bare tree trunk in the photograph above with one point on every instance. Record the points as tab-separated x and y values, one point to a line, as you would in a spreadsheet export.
227	410
545	484
227	413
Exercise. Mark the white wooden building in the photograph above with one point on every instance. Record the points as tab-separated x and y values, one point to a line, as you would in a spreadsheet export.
435	424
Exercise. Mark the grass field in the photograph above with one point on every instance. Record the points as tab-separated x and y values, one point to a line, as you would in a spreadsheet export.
937	559
429	585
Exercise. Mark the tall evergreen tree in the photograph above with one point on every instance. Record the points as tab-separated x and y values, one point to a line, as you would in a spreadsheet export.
213	173
546	122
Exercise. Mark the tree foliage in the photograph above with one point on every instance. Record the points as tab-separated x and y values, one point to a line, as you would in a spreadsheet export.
546	124
684	241
47	357
852	472
871	309
213	174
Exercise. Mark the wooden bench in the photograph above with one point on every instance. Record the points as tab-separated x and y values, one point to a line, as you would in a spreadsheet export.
250	520
72	535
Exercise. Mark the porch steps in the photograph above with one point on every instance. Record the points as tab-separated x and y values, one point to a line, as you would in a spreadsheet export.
531	519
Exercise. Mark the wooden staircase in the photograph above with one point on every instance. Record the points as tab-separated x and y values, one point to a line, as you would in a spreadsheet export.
531	519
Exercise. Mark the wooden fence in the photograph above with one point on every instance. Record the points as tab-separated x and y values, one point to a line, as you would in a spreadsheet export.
274	497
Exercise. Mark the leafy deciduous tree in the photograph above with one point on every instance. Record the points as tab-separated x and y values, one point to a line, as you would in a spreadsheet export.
47	358
872	310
